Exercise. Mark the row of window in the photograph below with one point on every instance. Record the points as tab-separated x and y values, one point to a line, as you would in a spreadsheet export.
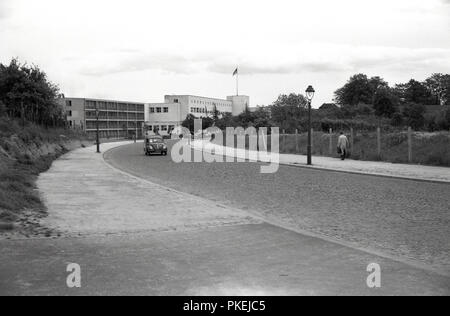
199	110
159	110
114	106
211	103
203	110
161	128
114	116
113	125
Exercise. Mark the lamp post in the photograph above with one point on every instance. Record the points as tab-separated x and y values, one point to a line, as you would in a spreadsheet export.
310	95
97	114
136	128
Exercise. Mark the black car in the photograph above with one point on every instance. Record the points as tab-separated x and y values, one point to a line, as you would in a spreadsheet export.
155	145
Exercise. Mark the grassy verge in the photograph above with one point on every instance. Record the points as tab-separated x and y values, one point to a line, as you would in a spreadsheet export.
25	152
428	148
17	186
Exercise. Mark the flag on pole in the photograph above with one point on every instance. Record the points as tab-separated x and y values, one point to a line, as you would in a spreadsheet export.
236	74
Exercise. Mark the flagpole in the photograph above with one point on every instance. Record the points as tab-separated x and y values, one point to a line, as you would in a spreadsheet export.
237	82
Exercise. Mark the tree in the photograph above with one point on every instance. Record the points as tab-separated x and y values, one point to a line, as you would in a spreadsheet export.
377	83
215	114
400	91
385	103
414	92
189	123
439	86
246	118
288	110
413	114
29	95
262	118
359	89
294	100
227	120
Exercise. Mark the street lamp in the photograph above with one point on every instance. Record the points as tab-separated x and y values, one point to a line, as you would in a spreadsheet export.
97	114
310	95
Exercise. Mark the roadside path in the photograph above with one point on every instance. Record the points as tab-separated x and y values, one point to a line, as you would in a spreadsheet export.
85	196
404	171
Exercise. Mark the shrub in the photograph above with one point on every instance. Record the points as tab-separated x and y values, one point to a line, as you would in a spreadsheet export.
384	103
431	122
414	115
8	127
363	109
2	109
357	124
443	120
351	111
397	119
396	139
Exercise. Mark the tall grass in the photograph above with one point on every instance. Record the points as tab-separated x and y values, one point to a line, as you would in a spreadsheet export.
428	148
19	168
17	186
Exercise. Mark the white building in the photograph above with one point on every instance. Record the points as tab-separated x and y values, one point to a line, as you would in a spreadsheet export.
169	115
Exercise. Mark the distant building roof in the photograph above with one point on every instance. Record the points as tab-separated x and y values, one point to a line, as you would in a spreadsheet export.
327	106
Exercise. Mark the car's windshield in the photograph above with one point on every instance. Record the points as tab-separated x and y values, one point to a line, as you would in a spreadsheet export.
154	140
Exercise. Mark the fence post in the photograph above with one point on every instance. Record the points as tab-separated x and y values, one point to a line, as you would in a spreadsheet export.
284	141
257	139
410	157
352	139
331	141
379	142
296	142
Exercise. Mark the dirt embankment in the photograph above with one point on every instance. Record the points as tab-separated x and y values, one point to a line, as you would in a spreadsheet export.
22	159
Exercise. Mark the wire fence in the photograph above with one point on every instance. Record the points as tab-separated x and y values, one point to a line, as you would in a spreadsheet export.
396	147
391	146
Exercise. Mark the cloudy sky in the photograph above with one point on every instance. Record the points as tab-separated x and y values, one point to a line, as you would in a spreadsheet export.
140	50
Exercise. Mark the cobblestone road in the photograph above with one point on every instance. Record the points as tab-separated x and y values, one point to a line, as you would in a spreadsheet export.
402	218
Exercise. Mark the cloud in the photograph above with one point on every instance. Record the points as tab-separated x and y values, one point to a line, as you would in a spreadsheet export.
177	64
108	65
402	58
319	59
252	68
5	10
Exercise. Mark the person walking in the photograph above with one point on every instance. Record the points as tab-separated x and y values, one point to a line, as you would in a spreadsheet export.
343	144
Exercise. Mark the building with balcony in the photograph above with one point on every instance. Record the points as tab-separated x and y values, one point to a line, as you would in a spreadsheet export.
117	119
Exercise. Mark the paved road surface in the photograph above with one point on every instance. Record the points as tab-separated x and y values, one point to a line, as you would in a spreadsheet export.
134	237
236	260
401	218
